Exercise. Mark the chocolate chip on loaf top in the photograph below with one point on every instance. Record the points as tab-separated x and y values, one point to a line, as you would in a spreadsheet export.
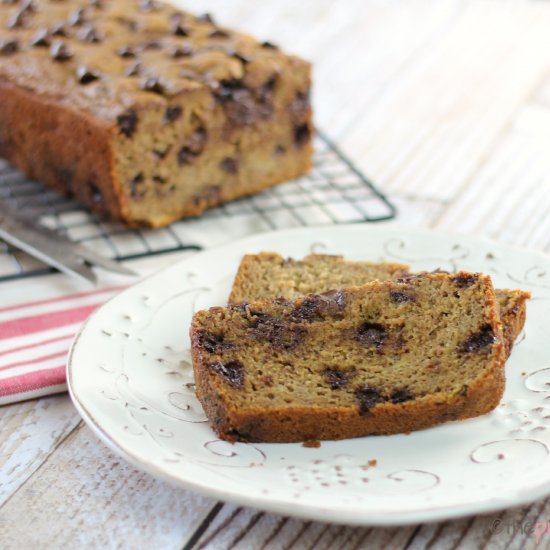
145	112
352	362
268	275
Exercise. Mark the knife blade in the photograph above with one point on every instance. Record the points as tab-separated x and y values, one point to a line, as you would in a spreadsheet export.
53	248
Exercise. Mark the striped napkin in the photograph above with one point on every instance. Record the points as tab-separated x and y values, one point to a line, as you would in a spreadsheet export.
35	337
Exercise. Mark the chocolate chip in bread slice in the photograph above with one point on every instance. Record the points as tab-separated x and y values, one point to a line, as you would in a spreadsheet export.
268	275
383	358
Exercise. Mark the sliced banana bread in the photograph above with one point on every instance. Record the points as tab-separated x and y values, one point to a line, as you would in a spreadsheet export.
269	275
387	357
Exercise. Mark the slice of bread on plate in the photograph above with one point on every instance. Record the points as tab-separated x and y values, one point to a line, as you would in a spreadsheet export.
383	358
268	275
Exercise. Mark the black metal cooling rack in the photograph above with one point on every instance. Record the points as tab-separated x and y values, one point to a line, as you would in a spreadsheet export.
334	192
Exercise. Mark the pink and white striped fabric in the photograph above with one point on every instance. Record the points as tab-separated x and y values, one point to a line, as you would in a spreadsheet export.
35	337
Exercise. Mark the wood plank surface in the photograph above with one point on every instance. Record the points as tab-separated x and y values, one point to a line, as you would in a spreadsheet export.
85	496
445	104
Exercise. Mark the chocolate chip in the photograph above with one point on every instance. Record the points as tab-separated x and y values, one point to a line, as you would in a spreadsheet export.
302	134
126	51
177	27
8	47
241	57
268	87
162	154
152	84
153	45
159	179
60	52
265	95
400	395
193	146
185	156
229	165
241	106
17	20
232	372
300	103
464	281
172	113
480	340
127	123
89	34
279	150
85	75
368	397
269	46
133	69
219	33
319	307
214	343
179	30
181	51
400	297
77	17
58	29
226	89
41	39
337	378
136	190
280	334
372	334
205	18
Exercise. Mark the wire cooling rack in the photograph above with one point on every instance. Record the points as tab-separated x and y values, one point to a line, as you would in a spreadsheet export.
334	192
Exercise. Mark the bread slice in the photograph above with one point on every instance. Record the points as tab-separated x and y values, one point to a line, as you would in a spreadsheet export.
387	357
268	275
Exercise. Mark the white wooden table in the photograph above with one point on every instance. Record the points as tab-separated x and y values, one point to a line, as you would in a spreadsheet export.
445	104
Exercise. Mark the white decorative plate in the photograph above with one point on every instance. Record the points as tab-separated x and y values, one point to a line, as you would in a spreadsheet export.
130	377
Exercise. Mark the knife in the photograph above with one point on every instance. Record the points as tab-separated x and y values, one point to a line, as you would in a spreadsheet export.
52	248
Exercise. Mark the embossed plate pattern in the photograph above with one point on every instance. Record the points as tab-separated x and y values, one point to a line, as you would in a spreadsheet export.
130	377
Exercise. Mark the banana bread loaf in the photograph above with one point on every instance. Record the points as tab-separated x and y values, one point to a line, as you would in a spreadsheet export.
383	358
268	275
144	112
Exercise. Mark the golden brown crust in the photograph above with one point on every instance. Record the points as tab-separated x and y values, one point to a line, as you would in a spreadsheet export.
64	148
235	422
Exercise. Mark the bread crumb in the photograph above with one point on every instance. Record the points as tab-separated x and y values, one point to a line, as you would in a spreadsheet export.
311	444
373	462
